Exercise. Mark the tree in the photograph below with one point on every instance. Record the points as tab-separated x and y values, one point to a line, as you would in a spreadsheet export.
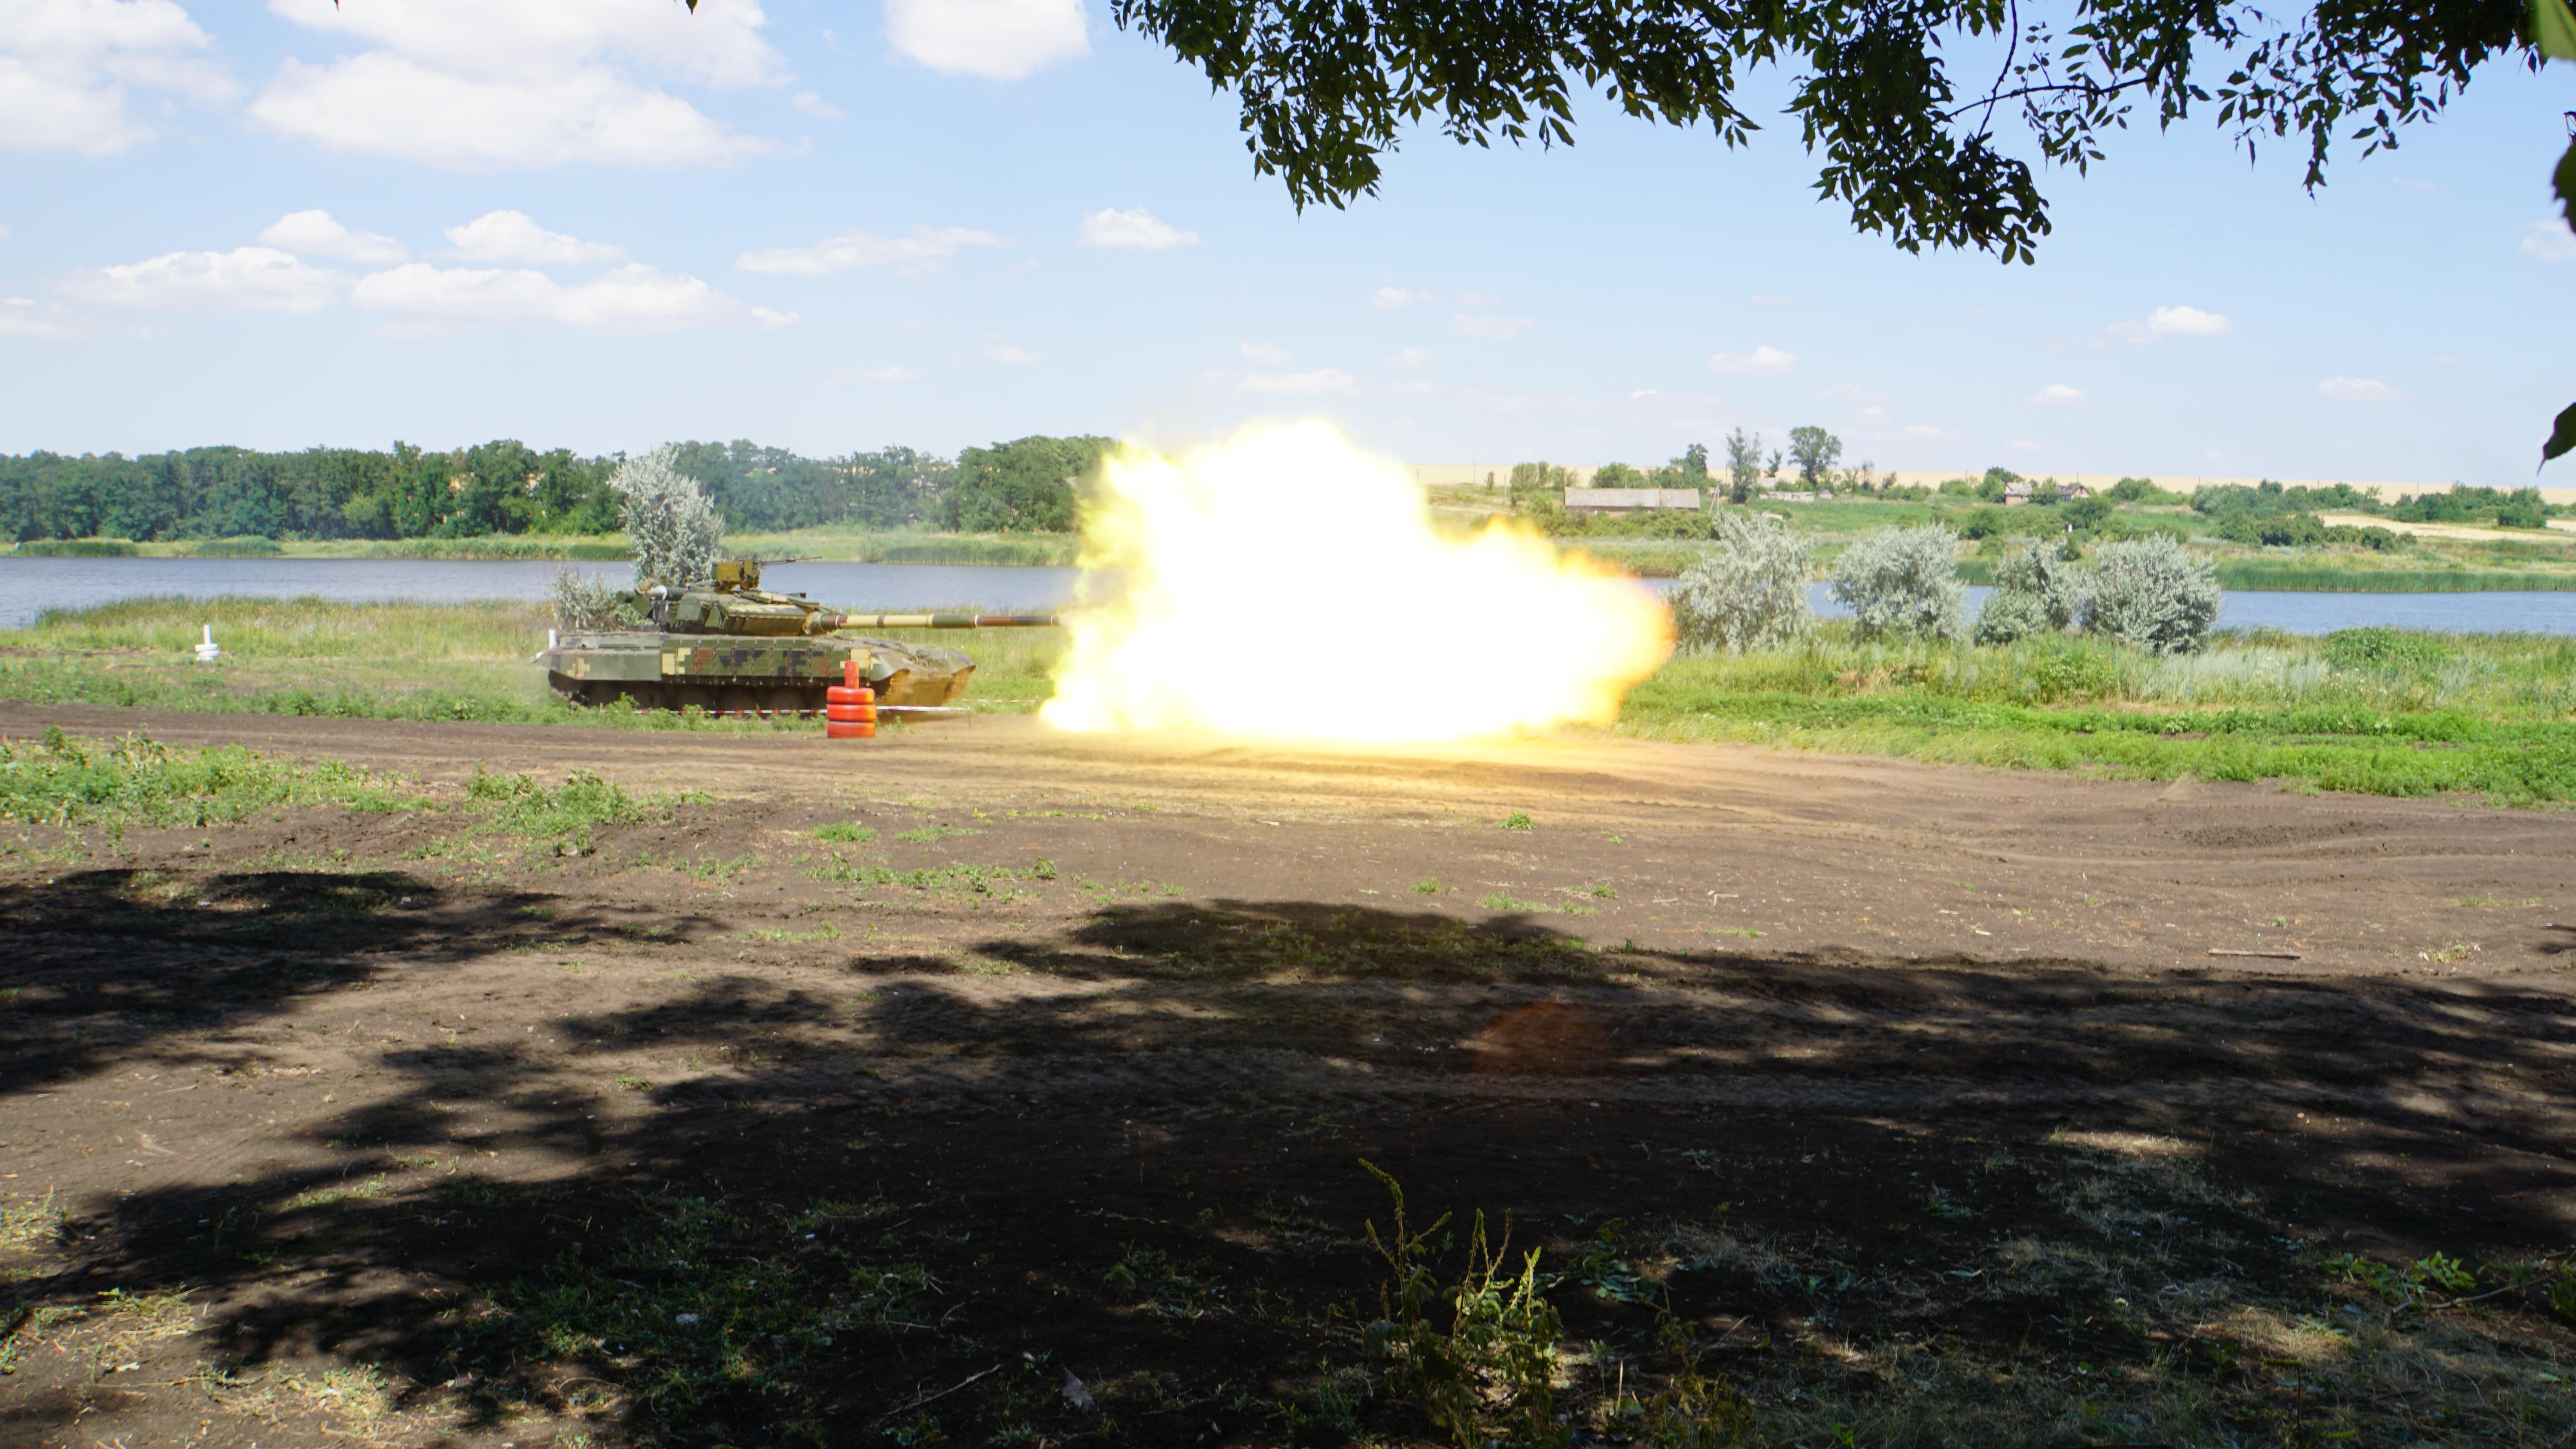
1326	90
1748	589
1693	464
676	532
1903	582
1743	465
1617	475
1815	450
1023	486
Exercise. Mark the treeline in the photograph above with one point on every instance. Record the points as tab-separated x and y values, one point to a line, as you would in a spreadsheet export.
507	487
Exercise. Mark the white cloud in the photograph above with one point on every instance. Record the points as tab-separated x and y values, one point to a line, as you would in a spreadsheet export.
2359	389
67	68
887	374
422	300
916	255
1769	299
514	236
245	279
2167	322
1480	299
1318	383
481	85
815	106
1387	299
1410	357
1874	413
1760	359
1263	353
2548	239
4	233
995	39
1926	430
1008	352
27	317
1493	329
318	234
2058	395
1135	228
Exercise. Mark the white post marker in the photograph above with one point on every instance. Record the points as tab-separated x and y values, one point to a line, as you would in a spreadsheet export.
207	653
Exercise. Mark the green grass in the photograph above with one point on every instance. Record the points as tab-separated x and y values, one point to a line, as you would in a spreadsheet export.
77	548
565	816
63	781
2263	574
387	661
2376	711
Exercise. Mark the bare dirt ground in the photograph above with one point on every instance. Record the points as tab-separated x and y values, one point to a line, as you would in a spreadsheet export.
1046	1100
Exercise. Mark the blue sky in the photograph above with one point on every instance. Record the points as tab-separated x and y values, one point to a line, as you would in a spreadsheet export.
606	223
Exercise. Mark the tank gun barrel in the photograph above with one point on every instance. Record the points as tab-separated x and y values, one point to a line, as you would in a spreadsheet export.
934	621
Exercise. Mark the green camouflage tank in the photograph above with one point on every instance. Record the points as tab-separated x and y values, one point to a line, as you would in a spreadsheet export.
725	646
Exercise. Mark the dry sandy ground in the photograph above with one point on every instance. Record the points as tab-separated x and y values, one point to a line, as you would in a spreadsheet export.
1102	967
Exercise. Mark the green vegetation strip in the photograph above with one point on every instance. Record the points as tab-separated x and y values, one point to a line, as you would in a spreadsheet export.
64	781
2327	748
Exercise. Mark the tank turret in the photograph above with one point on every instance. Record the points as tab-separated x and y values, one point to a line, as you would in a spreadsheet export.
726	646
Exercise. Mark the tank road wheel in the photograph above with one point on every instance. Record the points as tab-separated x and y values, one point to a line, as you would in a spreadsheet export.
738	699
681	696
784	699
566	688
617	694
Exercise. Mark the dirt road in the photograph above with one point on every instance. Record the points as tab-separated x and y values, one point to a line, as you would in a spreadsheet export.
356	1080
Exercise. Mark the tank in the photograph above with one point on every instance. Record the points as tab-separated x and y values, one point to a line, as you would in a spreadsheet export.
726	646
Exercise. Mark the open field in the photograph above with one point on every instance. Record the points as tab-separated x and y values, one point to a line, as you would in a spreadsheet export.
836	544
471	1085
2370	710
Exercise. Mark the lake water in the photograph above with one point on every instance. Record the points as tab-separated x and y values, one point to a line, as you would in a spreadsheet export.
28	586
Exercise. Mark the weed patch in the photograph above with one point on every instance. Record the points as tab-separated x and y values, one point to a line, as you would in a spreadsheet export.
66	781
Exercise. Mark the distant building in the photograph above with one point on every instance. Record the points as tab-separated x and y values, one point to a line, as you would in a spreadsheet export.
1630	500
1821	495
2019	491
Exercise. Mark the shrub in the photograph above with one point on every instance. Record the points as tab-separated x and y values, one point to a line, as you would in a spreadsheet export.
241	546
2009	618
676	531
2149	593
1904	581
1748	590
2056	583
77	548
587	601
2379	647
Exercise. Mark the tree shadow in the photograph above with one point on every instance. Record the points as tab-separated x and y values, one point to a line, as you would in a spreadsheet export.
1134	1158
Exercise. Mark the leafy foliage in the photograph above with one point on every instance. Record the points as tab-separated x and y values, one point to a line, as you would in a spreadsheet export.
1747	591
675	529
1743	464
2057	583
1028	485
2149	593
2009	618
1491	1374
1815	451
1326	87
1904	581
586	601
2507	508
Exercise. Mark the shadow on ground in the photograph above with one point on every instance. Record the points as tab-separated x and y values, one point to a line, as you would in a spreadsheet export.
1134	1167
